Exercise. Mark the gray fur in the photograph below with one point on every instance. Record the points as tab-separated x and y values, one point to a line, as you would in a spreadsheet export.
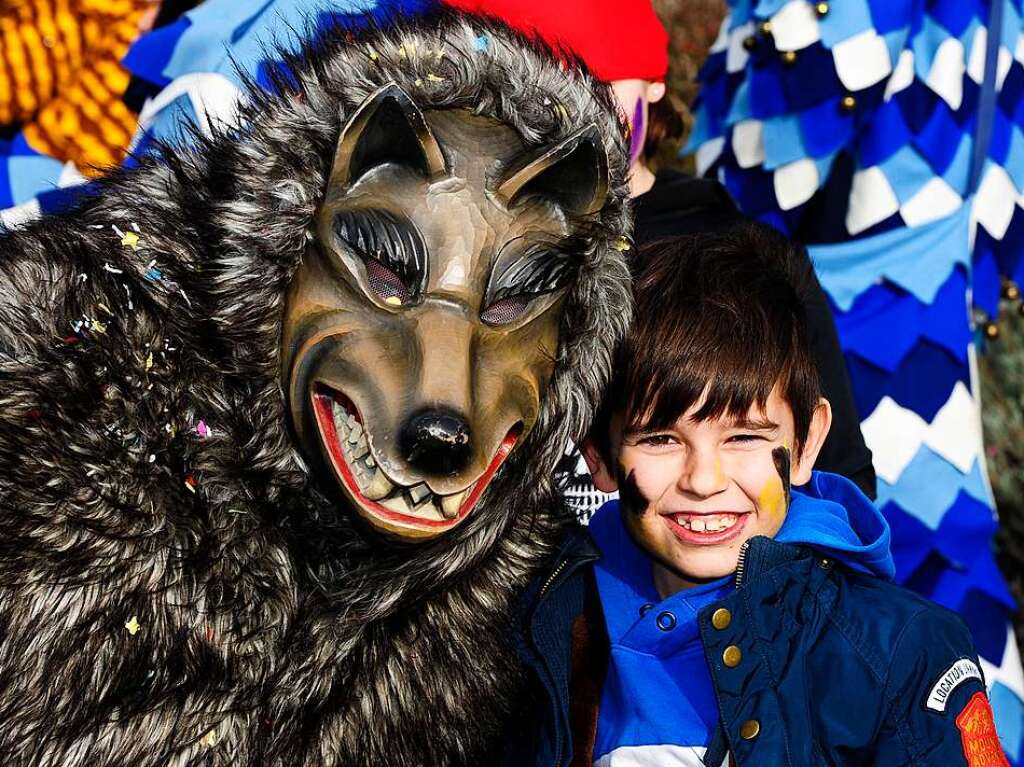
271	632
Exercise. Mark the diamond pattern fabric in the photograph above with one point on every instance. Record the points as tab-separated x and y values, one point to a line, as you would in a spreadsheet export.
854	127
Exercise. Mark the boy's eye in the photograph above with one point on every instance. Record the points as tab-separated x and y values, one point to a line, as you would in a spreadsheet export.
746	438
655	439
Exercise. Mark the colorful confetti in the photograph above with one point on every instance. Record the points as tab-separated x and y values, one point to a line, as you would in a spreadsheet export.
133	625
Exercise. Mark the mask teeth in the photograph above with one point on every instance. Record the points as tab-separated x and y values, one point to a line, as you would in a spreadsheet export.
450	504
355	445
419	493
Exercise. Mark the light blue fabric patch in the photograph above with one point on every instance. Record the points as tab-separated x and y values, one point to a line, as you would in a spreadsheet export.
847	269
844	20
928	486
30	176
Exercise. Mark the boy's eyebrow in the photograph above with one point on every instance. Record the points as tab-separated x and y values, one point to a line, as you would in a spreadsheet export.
754	424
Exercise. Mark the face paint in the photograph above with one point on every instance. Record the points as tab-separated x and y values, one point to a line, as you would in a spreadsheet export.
774	497
631	500
637	132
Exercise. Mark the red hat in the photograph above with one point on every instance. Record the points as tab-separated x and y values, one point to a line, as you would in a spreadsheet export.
618	39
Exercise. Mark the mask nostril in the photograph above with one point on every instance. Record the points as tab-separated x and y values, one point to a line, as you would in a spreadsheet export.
437	442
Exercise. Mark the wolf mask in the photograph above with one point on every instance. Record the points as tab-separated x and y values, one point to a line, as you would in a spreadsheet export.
279	413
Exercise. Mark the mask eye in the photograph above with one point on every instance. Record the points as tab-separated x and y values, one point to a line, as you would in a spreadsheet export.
518	282
505	311
387	285
391	250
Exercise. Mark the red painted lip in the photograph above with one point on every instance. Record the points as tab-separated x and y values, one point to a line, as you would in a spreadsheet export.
707	539
322	406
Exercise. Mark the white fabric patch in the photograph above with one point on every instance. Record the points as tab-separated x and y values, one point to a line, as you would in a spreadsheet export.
862	60
20	214
946	77
70	176
893	434
958	673
748	143
707	153
795	183
655	756
736	57
955	432
934	200
795	26
976	59
902	75
722	41
872	199
994	202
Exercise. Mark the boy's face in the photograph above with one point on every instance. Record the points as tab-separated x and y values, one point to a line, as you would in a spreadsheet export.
691	494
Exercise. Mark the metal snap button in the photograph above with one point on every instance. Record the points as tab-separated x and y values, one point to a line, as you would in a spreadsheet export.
721	618
645	608
750	729
666	621
732	656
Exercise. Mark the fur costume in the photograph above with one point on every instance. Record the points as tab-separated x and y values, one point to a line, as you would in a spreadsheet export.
178	584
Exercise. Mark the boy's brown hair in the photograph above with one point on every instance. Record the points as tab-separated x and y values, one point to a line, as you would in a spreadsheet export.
719	311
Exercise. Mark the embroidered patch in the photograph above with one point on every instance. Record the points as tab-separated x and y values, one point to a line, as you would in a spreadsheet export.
953	677
978	733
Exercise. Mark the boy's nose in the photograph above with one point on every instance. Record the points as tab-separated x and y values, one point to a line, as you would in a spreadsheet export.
703	475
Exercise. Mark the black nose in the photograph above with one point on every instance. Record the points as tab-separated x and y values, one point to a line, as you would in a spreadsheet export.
436	442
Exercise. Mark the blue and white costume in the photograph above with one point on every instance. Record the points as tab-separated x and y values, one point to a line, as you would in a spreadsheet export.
889	137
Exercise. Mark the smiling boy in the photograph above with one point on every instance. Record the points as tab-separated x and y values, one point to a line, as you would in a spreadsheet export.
740	608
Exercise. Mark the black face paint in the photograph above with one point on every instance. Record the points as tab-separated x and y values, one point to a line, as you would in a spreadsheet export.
630	498
781	457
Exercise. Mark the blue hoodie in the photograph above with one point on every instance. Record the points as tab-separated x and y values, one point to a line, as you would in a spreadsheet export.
658	703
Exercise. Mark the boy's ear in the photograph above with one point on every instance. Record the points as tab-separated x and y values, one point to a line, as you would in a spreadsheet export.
821	422
604	479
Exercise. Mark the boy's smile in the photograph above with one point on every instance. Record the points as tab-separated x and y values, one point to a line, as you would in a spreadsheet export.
691	494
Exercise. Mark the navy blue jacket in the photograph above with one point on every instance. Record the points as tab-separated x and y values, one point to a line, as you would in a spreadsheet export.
833	667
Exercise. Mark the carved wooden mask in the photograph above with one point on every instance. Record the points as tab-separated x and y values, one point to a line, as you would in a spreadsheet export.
421	329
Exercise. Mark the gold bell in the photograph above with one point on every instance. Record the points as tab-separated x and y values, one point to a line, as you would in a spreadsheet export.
1010	290
750	43
765	27
992	331
788	57
821	9
849	103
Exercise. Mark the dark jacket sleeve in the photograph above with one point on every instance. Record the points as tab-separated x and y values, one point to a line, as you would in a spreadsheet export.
844	451
938	714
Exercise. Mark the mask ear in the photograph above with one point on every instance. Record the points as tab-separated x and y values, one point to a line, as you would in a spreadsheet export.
386	128
573	174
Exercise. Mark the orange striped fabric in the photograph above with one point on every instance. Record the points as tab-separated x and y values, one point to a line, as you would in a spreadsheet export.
61	78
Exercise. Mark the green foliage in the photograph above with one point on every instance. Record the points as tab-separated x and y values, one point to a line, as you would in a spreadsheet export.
1001	369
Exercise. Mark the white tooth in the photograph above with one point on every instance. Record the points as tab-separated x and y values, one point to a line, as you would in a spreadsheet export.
398	503
419	493
450	504
360	449
378	486
683	522
355	433
697	525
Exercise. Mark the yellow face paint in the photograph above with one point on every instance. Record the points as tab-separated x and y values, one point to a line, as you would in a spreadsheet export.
772	498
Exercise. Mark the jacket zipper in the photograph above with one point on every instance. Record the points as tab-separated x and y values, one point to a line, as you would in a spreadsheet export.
741	563
551	578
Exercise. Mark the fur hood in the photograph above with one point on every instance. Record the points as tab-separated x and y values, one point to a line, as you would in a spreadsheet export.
175	588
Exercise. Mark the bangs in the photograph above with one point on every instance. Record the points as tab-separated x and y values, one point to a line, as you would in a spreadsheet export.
719	322
723	363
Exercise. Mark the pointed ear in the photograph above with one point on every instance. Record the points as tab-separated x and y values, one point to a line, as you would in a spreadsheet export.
573	174
386	128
